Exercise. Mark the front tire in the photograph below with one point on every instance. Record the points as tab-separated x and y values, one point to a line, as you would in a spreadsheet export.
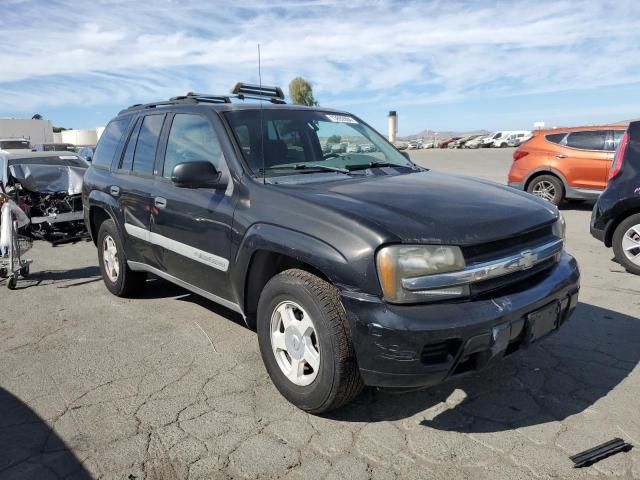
305	342
626	243
118	277
547	187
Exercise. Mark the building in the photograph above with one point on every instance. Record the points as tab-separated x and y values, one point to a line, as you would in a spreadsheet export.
78	137
36	131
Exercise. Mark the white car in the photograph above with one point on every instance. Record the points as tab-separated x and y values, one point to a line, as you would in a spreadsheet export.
517	139
353	148
500	139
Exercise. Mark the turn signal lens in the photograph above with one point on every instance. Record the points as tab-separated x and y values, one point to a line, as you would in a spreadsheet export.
387	272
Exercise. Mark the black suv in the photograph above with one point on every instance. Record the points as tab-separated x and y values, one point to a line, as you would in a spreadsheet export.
615	219
355	266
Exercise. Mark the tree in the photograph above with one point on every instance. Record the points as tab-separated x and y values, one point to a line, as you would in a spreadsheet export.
301	92
334	139
37	116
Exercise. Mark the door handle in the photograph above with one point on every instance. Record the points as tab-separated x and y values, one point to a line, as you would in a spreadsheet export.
560	155
114	190
160	202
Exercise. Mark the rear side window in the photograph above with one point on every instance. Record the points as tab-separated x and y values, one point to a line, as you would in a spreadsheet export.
587	140
191	138
555	137
109	141
127	159
145	152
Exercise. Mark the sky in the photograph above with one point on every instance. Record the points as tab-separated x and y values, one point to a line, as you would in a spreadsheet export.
442	65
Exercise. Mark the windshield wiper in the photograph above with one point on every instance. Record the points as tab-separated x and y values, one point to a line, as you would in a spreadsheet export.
302	166
375	164
306	166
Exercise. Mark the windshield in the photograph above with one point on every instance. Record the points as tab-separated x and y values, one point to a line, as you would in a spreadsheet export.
309	140
14	145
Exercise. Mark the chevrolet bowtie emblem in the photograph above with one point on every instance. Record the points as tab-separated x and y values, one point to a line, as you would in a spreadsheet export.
526	261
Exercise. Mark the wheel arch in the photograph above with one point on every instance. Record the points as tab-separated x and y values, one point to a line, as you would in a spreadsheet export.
547	171
267	250
101	207
617	220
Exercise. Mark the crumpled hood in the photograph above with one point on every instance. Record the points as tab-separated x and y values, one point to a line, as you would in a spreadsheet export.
49	178
432	207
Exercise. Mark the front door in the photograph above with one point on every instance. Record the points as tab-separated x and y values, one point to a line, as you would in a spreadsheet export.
192	227
134	173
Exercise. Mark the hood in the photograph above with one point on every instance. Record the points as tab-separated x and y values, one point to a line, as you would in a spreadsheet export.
432	207
49	178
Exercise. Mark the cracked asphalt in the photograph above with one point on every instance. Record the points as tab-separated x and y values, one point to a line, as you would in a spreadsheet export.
171	386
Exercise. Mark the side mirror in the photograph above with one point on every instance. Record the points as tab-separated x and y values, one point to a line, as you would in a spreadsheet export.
405	154
198	174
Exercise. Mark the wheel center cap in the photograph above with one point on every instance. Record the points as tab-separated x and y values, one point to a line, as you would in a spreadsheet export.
293	342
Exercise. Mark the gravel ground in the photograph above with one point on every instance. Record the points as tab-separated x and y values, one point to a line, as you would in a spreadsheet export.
171	386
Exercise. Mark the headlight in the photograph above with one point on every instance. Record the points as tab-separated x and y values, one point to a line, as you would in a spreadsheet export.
398	262
560	228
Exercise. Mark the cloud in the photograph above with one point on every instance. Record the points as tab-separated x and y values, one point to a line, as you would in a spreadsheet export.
65	52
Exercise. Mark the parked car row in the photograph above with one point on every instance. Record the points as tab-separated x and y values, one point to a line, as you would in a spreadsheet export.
501	139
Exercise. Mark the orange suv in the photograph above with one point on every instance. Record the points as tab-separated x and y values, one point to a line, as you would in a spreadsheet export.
566	163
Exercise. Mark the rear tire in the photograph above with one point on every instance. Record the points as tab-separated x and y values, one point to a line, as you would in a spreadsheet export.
305	342
118	277
626	243
547	187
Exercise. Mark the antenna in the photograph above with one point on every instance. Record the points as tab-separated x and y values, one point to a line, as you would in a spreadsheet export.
262	132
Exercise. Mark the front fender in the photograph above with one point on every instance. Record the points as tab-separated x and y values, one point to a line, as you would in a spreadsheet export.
300	246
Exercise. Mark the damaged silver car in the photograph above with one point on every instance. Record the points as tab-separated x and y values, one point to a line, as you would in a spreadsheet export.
47	187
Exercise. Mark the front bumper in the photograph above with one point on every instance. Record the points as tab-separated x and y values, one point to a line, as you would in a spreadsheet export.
422	345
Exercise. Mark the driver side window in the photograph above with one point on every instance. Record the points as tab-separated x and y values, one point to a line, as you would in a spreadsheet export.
192	138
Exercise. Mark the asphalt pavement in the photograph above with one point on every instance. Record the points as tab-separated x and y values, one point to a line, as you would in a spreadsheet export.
171	386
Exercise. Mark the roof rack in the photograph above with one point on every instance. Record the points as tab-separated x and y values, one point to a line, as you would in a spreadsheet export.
189	98
241	91
258	92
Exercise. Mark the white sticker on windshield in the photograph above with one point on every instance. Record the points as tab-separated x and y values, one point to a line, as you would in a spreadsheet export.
341	119
67	157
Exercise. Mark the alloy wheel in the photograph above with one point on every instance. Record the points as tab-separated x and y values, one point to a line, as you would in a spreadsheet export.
544	189
294	343
110	258
631	244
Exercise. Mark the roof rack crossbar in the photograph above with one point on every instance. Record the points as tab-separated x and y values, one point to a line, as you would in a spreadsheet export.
253	91
207	97
275	100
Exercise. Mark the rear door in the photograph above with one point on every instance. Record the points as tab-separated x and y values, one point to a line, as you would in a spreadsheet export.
583	159
135	174
191	228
